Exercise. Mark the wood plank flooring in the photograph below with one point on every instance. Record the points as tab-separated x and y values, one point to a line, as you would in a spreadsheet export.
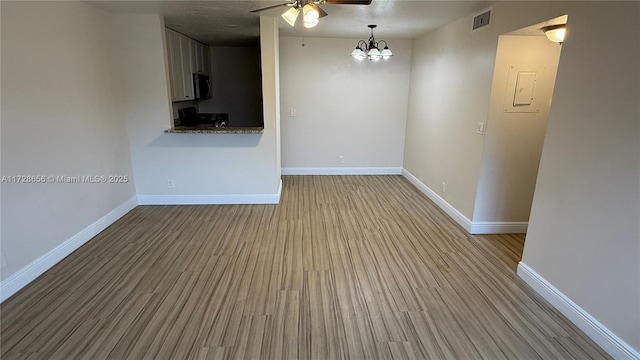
357	267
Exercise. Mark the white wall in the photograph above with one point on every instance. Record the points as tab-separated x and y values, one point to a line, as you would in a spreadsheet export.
204	167
583	234
513	141
344	107
270	62
2	257
62	115
450	82
235	85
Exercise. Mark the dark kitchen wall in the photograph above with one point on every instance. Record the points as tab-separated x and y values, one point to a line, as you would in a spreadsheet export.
236	86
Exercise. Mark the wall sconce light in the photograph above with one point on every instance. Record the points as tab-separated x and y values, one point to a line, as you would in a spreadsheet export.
555	33
371	50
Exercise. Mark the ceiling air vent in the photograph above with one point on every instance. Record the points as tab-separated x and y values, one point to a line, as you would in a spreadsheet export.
481	20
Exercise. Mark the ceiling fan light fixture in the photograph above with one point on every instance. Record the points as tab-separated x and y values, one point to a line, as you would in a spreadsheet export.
555	33
311	13
291	15
310	24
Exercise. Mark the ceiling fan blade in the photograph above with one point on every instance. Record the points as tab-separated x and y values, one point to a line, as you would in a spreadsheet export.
273	7
321	12
348	2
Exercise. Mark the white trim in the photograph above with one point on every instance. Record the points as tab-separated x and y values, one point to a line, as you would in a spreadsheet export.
486	227
343	171
456	215
27	274
478	227
214	199
602	336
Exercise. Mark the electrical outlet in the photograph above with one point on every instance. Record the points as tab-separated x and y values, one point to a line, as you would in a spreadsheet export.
443	187
480	129
341	159
3	261
170	184
292	112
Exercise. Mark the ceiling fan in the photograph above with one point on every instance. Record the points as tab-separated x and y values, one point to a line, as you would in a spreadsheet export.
310	10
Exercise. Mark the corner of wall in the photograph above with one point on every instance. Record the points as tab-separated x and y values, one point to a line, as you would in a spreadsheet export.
456	215
270	60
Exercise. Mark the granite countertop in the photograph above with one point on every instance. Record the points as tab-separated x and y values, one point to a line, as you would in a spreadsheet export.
207	129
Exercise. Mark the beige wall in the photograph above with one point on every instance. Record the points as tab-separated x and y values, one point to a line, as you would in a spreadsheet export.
449	95
583	233
270	60
513	140
62	114
344	107
202	166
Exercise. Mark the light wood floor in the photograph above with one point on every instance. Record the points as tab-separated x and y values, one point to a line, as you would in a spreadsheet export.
345	267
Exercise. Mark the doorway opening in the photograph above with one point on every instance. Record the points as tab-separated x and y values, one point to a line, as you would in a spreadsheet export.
522	89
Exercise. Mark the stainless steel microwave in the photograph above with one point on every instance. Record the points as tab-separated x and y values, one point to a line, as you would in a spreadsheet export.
201	86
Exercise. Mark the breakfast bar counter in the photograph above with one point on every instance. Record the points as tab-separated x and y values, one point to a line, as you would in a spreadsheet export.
207	129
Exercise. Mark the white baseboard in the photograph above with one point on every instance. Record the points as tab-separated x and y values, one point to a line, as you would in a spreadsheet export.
602	336
27	274
211	199
478	227
456	215
343	171
485	227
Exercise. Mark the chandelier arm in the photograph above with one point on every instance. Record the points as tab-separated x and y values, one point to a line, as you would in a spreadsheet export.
385	43
362	45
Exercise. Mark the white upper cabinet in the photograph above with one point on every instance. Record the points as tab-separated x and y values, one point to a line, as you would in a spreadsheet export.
201	58
187	68
175	65
185	57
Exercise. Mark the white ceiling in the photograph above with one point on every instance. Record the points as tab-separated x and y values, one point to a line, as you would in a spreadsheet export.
229	23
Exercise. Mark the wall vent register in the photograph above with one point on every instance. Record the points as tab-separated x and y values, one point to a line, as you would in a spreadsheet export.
481	20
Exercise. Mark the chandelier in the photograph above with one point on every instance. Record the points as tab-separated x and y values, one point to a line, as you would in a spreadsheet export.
371	50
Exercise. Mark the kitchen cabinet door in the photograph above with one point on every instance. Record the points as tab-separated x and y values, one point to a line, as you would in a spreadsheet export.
193	55
185	57
201	62
206	60
187	70
175	65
